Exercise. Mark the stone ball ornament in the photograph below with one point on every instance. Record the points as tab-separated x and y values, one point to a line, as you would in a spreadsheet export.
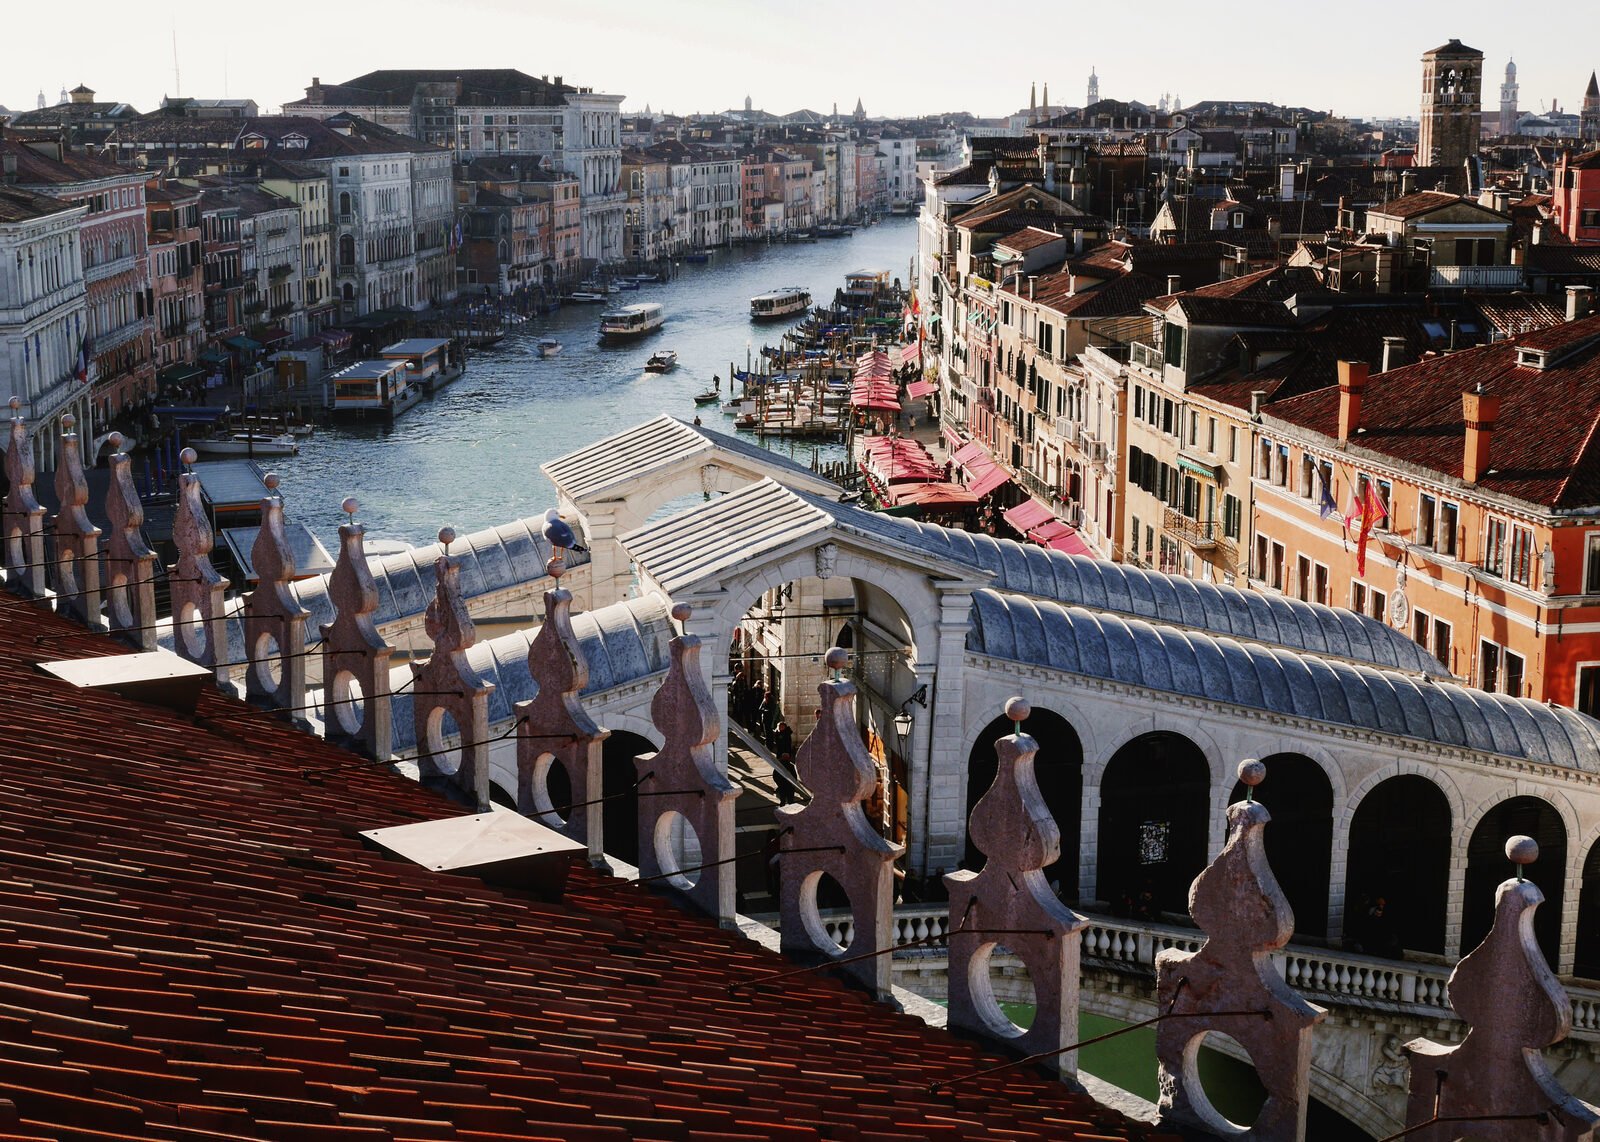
837	658
271	480
116	440
16	405
681	612
188	456
1522	851
68	421
1017	709
1252	772
447	536
350	506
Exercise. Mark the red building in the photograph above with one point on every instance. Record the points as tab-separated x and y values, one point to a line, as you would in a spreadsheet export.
177	282
1575	197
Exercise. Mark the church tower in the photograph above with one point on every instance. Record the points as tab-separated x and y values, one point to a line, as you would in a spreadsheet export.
1508	100
1452	114
1033	103
1094	88
1047	99
1589	113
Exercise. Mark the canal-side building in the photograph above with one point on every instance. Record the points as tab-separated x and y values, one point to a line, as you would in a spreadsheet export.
116	266
308	185
43	317
177	277
649	222
79	121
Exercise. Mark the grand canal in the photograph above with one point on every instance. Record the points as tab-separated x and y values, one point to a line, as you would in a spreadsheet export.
470	457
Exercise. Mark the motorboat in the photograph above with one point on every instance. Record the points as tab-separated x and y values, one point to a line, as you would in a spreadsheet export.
584	297
710	396
662	361
778	303
625	283
632	320
247	444
647	277
549	346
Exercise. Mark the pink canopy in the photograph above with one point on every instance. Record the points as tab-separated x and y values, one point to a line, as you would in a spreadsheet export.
935	493
983	474
921	388
1027	515
1060	537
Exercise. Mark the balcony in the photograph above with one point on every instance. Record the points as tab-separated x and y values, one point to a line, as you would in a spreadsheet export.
280	271
282	310
1200	534
1476	277
315	228
1146	357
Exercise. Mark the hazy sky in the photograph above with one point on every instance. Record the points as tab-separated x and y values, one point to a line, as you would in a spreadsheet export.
900	58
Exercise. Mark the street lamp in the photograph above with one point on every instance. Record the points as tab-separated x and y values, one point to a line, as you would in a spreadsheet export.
902	720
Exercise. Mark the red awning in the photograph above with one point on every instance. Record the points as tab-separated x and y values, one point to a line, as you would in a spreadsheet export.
892	459
1059	537
921	388
935	493
983	474
910	353
952	438
1028	514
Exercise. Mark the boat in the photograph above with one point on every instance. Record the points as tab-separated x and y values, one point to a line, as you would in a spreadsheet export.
632	320
710	396
661	361
646	277
481	336
549	346
247	444
427	362
698	256
626	283
778	303
372	388
831	231
584	297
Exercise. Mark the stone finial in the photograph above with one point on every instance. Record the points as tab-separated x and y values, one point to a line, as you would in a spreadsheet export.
130	564
700	804
357	711
1013	828
24	517
556	730
447	685
1237	902
198	631
76	569
835	766
274	621
1514	1007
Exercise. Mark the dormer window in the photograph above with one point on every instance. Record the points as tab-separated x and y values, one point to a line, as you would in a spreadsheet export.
253	142
1532	358
295	141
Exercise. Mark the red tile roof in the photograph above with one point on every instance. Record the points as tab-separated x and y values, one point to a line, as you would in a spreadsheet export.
195	944
1413	414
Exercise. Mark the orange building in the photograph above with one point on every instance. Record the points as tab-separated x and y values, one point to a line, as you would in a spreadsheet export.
1487	462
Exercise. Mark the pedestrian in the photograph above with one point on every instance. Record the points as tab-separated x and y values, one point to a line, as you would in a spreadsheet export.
780	777
782	738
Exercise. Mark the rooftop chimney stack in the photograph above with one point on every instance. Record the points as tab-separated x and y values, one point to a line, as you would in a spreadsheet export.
1480	410
1580	301
1174	283
1352	386
1394	349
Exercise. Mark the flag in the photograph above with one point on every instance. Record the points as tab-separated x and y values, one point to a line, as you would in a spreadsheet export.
1325	507
1372	510
456	238
80	368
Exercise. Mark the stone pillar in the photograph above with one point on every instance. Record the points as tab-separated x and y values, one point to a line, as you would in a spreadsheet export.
835	767
1246	918
939	804
1013	828
447	685
554	729
130	565
76	569
357	709
608	563
198	630
681	783
274	622
1515	1008
24	517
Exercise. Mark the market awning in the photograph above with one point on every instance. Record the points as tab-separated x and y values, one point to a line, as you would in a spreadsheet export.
910	353
935	494
983	474
273	334
214	355
335	338
921	388
952	438
243	344
179	374
893	459
1059	537
1028	514
1199	467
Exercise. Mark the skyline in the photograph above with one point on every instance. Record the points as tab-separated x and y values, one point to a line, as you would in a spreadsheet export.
698	56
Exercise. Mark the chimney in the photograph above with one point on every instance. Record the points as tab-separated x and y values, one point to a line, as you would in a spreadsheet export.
1256	397
1174	283
1352	384
1286	174
1394	349
1408	183
1580	298
1274	227
1077	240
1537	237
1479	410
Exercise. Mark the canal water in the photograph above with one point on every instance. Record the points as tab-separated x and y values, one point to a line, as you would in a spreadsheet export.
470	457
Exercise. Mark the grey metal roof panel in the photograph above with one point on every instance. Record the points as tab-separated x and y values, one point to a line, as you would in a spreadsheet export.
1186	661
624	457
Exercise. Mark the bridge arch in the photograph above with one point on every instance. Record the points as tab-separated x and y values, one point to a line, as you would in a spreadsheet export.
1587	958
1487	866
1155	812
1298	792
1400	848
1059	772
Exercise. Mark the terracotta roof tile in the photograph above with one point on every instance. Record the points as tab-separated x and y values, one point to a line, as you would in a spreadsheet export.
195	944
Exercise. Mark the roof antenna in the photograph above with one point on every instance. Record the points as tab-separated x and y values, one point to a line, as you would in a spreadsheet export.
177	81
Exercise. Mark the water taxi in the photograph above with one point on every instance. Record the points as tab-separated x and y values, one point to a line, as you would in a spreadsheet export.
663	361
247	444
372	388
549	346
779	303
584	297
632	320
427	361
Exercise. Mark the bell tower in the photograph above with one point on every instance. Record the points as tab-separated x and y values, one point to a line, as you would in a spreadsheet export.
1452	114
1508	100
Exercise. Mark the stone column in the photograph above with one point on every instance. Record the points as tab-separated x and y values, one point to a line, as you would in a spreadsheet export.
24	517
274	621
940	805
447	684
198	630
608	563
357	709
130	565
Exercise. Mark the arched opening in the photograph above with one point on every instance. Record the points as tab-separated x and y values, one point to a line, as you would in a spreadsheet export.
1154	813
1487	866
1299	840
1588	960
344	203
347	250
1398	875
619	813
1059	771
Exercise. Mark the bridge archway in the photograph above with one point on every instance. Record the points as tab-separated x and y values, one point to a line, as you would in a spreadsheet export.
1058	769
619	813
1299	840
1487	866
1587	963
1400	844
1155	812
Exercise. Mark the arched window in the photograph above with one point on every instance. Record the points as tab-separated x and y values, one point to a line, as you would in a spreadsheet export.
1487	866
347	250
1399	854
1154	816
344	202
1299	839
1058	768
